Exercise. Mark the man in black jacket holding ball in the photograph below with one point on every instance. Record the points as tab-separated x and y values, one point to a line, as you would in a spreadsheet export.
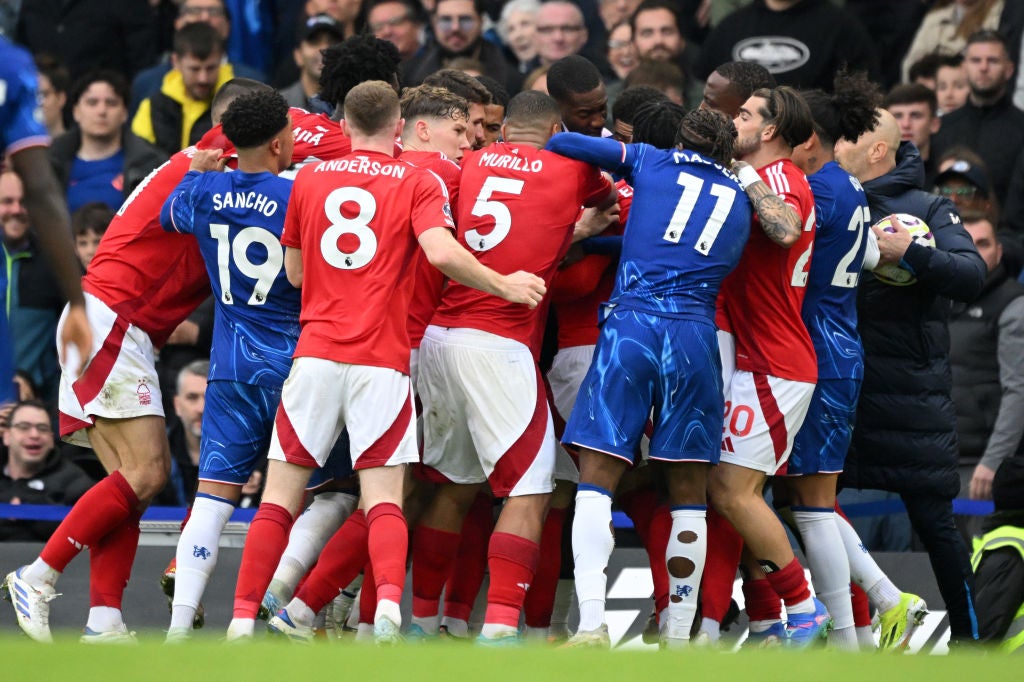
905	436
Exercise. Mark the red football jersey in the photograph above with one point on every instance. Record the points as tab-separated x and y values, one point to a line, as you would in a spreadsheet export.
517	212
356	220
426	294
580	289
761	299
152	278
155	279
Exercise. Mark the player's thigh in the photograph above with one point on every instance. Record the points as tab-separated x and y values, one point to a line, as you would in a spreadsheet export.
138	448
377	408
238	420
688	400
568	368
615	399
308	420
762	417
508	415
119	380
449	455
821	444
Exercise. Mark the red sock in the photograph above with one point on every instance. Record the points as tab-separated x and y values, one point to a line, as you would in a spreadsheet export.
725	546
268	536
101	510
471	562
790	583
368	596
433	553
388	543
339	563
861	606
540	600
656	546
761	601
639	505
512	561
188	515
110	563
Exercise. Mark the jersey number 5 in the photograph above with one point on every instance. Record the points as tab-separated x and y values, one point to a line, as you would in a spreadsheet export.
484	206
264	273
692	186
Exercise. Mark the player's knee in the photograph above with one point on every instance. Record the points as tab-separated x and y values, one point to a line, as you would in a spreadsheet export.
725	501
149	479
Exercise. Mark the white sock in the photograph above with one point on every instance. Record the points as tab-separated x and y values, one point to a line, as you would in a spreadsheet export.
429	624
758	626
495	630
592	545
105	619
863	569
456	626
196	556
563	603
537	634
866	638
685	555
712	627
300	612
241	627
844	639
364	632
39	573
389	609
826	557
310	533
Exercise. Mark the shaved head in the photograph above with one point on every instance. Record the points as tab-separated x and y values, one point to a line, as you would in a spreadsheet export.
873	154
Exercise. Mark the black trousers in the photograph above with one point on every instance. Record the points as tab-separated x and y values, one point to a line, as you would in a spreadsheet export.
932	519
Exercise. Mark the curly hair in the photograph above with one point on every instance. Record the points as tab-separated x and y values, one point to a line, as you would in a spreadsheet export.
849	112
746	77
655	123
708	132
255	118
357	59
632	100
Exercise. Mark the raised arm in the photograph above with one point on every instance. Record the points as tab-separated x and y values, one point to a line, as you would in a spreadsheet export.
779	220
605	152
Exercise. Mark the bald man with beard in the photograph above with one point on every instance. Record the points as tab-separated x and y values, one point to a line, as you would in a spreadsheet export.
905	440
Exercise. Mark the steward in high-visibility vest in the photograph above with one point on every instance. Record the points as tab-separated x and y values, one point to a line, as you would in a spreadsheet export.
995	570
998	562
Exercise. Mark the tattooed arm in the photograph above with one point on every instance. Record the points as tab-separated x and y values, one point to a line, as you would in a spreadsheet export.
780	222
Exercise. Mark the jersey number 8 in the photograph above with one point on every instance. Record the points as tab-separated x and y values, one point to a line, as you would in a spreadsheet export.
359	227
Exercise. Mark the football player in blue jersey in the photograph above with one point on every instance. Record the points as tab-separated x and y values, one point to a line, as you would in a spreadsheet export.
24	140
830	314
658	349
237	217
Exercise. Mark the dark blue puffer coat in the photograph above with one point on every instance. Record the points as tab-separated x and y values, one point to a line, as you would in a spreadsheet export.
904	439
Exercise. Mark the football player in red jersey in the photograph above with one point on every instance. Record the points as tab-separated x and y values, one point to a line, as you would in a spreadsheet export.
486	416
141	284
353	224
434	136
769	364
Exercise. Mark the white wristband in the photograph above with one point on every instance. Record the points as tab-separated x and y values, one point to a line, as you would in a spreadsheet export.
747	177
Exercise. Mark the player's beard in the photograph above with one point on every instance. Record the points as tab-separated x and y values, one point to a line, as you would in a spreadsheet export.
746	145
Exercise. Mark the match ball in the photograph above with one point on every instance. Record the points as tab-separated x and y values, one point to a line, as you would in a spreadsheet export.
893	273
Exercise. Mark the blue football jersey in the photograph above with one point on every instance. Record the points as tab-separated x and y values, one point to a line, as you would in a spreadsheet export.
687	226
830	304
238	218
21	126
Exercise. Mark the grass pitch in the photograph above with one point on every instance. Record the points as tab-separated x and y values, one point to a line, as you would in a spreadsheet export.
271	661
